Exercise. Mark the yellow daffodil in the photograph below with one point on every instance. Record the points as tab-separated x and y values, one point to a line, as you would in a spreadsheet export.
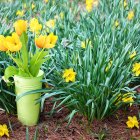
90	4
4	130
62	15
50	23
89	8
33	6
52	39
132	122
46	1
117	23
85	43
128	99
125	3
1	131
96	3
20	26
12	43
46	41
34	25
24	5
130	15
109	66
69	75
2	46
136	69
132	55
20	13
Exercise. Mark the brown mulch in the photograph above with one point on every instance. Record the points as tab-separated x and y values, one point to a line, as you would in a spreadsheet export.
55	127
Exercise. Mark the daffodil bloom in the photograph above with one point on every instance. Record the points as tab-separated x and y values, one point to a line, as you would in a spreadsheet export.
20	13
136	69
89	7
62	15
33	6
125	3
34	25
96	3
69	75
90	4
46	41
132	55
52	39
50	23
109	66
12	43
85	43
4	130
1	131
128	99
117	23
2	46
20	26
132	122
46	1
130	15
24	5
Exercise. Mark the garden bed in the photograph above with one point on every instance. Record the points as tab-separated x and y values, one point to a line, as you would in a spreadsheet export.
55	127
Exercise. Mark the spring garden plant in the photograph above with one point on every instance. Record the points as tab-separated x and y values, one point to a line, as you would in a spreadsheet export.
93	65
97	65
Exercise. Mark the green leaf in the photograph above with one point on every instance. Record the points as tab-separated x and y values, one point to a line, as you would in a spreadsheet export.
71	115
24	50
36	62
10	71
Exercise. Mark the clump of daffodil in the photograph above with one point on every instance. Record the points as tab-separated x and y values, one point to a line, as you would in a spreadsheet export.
109	65
4	130
20	13
51	23
35	26
130	15
117	23
69	75
33	6
44	41
90	4
132	122
2	43
13	43
136	69
20	26
132	55
85	43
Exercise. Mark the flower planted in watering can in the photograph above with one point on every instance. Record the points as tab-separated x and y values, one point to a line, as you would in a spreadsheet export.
27	74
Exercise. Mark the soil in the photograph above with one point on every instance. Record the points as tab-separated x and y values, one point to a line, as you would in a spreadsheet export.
54	127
